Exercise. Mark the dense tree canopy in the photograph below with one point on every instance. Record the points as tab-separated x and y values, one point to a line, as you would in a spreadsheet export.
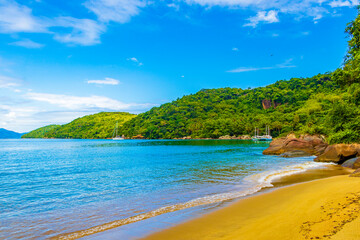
326	104
100	125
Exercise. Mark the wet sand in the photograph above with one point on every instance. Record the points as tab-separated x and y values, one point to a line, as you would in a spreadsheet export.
328	208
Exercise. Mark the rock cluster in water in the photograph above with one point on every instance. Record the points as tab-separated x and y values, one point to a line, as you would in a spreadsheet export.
291	146
348	155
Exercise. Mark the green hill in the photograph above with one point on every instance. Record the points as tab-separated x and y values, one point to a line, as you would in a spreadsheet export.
7	134
326	104
212	113
40	132
96	126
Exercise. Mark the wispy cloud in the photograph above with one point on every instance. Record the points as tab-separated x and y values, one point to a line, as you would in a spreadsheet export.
18	18
174	6
85	103
315	9
27	43
263	17
82	31
115	10
106	81
8	82
286	64
339	3
135	60
235	49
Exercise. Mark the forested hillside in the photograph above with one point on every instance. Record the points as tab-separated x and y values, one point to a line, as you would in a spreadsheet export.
326	104
96	126
7	134
212	113
40	132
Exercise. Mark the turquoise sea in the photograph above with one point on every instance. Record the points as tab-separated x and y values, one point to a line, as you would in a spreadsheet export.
83	187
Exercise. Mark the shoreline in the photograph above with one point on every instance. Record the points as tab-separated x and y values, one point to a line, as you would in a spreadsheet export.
326	208
110	230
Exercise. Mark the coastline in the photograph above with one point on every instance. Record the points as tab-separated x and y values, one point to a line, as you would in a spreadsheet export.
326	208
278	181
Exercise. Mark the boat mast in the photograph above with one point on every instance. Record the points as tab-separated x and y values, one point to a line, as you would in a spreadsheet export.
117	123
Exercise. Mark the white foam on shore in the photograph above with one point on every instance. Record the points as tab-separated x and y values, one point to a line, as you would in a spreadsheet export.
265	179
259	181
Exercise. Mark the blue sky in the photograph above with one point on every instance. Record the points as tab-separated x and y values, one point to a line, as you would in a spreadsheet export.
60	60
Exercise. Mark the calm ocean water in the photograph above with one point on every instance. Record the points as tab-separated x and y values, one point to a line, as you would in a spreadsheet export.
52	187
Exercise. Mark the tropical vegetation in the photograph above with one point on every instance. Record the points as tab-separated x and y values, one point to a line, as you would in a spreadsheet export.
95	126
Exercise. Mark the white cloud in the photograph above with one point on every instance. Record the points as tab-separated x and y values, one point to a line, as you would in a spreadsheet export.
263	17
135	60
174	6
286	64
315	9
8	82
106	81
115	10
84	103
82	31
18	18
235	49
27	43
339	3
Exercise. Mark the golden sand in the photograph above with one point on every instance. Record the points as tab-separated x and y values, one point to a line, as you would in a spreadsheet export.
322	209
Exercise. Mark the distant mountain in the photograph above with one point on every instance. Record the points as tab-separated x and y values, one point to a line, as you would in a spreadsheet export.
95	126
40	132
5	134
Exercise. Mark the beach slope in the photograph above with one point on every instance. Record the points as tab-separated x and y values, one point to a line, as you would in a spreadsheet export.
322	209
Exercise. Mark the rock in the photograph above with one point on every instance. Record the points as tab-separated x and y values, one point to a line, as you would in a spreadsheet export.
138	137
353	163
275	147
226	137
295	153
186	138
245	137
339	153
349	163
356	173
266	103
305	145
356	164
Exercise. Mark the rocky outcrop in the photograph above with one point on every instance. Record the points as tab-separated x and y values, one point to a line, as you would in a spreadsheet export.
339	153
138	137
291	146
295	153
243	137
356	173
266	104
353	163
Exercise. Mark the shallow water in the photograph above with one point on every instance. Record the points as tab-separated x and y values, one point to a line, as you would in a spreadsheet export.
52	187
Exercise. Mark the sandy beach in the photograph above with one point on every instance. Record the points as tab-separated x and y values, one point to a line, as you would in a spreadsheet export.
321	209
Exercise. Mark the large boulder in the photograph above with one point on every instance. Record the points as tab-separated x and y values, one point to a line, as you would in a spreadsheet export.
295	153
276	147
353	163
339	153
305	145
356	173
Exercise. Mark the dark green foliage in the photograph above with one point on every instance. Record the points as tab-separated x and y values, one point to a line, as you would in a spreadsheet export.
326	104
40	132
212	113
351	71
96	126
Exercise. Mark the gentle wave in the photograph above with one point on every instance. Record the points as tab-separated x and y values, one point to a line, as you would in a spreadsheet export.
261	180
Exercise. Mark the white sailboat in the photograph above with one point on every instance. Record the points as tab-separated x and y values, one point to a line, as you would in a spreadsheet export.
115	135
266	137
